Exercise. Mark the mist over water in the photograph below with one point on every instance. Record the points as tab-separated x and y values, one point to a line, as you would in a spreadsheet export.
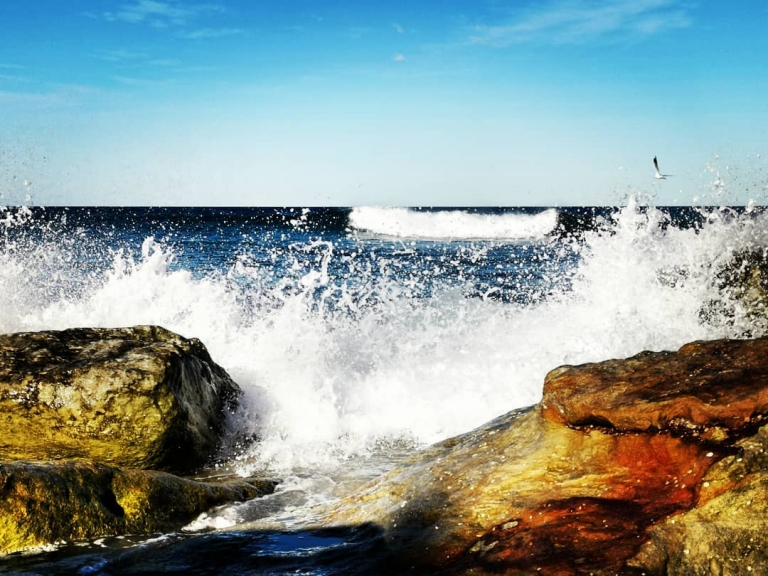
351	345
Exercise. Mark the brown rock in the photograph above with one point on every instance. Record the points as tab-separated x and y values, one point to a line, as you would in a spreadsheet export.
726	532
714	390
44	503
523	493
627	466
139	397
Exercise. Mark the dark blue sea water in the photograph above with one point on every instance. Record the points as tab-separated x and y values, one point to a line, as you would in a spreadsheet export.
360	335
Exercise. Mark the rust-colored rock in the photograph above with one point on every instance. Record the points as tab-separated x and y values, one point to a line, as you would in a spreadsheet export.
725	533
523	493
626	467
714	390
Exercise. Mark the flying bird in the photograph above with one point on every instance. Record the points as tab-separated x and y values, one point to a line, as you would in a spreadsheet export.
659	175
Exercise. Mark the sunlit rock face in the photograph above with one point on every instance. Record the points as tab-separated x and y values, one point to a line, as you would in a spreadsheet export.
592	480
140	397
44	503
86	413
727	531
527	493
711	391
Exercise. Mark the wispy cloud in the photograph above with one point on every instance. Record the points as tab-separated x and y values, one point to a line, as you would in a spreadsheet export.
13	78
579	21
399	29
29	98
143	82
161	14
399	58
164	62
210	33
9	73
121	55
57	95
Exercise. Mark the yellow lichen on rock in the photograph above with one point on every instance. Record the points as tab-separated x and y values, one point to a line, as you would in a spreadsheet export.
46	502
139	397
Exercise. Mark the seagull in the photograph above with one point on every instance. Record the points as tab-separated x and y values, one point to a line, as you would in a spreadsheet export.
659	175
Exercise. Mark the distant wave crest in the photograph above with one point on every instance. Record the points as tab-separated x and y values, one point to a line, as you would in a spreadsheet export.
451	224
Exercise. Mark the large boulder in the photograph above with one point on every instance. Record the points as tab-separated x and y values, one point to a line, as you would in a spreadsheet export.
712	391
523	493
597	478
140	397
45	503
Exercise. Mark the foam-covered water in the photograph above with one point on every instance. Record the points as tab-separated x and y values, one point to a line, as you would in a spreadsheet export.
354	338
452	224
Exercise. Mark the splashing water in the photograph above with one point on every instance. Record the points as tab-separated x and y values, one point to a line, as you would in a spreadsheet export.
347	346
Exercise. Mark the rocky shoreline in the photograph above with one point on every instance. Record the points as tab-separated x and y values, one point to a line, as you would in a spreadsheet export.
651	465
656	464
94	423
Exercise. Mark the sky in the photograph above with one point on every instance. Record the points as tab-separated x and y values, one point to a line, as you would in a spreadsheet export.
349	103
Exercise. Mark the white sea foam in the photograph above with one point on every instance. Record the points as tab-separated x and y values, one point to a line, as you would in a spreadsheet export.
326	385
448	224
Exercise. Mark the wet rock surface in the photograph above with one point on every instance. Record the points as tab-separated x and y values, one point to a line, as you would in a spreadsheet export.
726	532
44	503
742	282
714	390
528	494
650	465
89	416
140	397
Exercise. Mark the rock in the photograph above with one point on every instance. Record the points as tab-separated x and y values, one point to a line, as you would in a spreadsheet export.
140	397
742	283
45	503
595	479
528	494
725	533
746	278
710	390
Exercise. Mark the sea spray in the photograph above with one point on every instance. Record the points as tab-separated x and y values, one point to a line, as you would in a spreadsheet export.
351	348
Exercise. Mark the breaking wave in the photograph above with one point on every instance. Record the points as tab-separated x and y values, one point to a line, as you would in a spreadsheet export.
345	345
452	224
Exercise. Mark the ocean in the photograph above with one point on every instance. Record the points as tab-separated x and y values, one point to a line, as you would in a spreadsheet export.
360	335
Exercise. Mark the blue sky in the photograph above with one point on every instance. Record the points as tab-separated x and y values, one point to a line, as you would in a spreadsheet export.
483	102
